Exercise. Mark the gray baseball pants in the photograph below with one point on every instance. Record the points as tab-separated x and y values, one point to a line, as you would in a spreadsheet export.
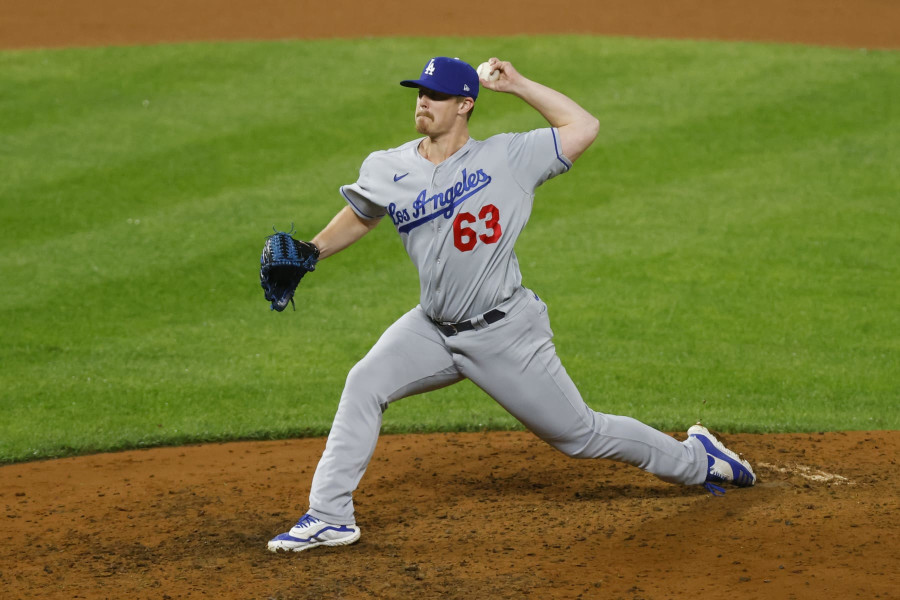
515	362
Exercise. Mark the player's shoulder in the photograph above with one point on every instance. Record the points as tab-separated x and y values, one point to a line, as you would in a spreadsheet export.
392	154
507	138
497	138
493	145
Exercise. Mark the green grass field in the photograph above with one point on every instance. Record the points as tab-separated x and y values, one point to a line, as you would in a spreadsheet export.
726	251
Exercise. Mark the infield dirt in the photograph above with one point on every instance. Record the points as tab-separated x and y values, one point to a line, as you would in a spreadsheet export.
483	515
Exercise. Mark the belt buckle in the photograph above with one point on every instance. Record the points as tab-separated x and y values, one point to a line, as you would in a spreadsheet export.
447	328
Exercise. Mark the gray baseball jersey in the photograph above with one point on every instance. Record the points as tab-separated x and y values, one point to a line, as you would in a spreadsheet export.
459	222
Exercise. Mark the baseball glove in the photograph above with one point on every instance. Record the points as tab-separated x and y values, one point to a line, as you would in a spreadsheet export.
283	264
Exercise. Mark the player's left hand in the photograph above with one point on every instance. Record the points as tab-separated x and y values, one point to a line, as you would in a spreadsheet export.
283	264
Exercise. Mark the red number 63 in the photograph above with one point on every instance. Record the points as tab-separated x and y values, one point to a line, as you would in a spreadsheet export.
465	237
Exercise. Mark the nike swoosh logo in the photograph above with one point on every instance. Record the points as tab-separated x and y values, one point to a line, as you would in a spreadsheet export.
399	177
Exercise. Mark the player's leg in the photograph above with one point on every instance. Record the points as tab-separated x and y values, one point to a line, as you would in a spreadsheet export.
515	362
409	358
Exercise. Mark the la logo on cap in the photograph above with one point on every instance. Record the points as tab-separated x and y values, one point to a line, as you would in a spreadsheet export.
429	70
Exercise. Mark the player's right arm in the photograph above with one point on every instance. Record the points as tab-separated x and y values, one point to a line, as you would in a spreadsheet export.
344	229
577	127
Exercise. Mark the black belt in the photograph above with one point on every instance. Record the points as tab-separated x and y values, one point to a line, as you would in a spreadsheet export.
451	329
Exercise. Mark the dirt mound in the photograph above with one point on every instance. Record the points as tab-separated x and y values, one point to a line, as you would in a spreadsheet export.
491	515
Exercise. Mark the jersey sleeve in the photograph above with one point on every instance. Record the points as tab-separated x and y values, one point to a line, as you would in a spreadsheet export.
361	195
536	156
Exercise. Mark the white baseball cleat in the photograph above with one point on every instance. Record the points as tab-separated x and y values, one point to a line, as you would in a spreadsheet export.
310	532
724	465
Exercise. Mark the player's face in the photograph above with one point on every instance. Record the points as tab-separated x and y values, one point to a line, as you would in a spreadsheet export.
435	112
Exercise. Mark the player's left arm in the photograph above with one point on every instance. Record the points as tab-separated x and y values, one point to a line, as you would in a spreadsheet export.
345	228
577	127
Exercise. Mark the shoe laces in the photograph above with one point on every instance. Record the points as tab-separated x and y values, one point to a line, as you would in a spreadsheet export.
714	489
306	520
717	476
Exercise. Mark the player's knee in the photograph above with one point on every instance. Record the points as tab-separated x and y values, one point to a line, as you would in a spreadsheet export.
584	442
573	451
573	448
362	386
586	439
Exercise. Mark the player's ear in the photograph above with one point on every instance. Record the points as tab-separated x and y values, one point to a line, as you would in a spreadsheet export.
466	104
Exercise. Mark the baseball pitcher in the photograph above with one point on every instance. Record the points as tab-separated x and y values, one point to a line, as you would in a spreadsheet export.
459	204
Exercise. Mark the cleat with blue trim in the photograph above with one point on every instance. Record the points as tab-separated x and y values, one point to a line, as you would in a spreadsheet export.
310	532
724	465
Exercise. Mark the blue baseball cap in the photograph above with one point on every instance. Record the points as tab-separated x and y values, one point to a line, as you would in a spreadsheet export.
448	76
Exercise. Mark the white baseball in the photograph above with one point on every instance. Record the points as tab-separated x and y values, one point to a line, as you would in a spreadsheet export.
484	72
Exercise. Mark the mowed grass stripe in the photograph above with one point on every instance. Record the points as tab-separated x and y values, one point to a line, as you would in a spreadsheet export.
725	251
